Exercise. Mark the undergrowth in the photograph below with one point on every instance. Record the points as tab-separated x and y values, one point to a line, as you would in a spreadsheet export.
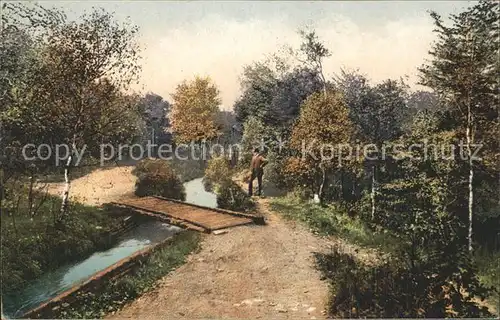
32	244
333	219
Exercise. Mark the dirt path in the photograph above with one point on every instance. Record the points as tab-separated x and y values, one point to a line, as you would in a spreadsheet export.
100	186
249	272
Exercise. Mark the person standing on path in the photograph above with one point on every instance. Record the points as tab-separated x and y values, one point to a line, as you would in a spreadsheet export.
257	167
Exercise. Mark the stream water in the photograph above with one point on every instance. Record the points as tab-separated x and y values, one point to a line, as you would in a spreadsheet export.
196	194
63	278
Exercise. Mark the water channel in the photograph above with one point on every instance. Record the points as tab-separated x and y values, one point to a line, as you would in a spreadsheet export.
65	277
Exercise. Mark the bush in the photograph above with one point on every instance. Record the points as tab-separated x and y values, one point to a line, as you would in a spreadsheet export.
157	178
232	197
392	290
218	173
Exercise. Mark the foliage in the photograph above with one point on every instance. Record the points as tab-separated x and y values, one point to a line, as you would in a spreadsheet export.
156	177
218	174
98	57
66	85
299	173
125	289
324	120
489	270
273	97
154	111
313	52
420	209
390	291
377	111
226	121
322	128
464	67
194	111
463	72
254	136
232	197
31	244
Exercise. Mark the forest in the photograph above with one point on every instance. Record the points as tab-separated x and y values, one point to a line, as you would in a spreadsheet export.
411	174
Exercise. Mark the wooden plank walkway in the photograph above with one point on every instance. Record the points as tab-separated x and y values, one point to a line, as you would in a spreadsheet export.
203	218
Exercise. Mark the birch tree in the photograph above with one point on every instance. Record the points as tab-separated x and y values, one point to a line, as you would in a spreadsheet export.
464	74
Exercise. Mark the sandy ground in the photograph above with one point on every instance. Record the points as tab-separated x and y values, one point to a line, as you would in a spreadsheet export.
100	186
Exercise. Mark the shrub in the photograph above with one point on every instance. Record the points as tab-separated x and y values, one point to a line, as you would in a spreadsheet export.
232	197
218	173
392	290
157	178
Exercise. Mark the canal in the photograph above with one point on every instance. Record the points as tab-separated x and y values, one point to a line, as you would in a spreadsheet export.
65	277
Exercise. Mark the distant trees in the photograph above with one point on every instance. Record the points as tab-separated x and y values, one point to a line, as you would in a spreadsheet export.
154	112
274	97
194	111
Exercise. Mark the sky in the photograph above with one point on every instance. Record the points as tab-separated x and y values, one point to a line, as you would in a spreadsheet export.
383	39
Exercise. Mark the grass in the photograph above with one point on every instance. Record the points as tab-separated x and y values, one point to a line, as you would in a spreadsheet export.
118	292
333	219
32	245
488	264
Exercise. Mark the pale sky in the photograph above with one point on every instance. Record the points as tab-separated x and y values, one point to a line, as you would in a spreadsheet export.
384	39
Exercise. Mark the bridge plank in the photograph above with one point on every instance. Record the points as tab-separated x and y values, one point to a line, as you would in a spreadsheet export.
205	218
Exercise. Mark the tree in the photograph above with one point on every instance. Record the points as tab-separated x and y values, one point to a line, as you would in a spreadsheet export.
194	111
290	92
313	52
378	113
463	72
419	207
73	95
154	111
322	127
258	84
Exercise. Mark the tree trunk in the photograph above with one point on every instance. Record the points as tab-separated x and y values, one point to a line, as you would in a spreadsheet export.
341	184
353	193
373	193
65	194
469	137
322	185
30	195
232	195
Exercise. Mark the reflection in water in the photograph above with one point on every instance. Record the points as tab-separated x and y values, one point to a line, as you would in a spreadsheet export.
55	282
196	194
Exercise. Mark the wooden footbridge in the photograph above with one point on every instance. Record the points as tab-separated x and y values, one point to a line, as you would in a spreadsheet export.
187	215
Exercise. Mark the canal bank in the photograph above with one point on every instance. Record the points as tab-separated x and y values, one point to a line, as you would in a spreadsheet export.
62	292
